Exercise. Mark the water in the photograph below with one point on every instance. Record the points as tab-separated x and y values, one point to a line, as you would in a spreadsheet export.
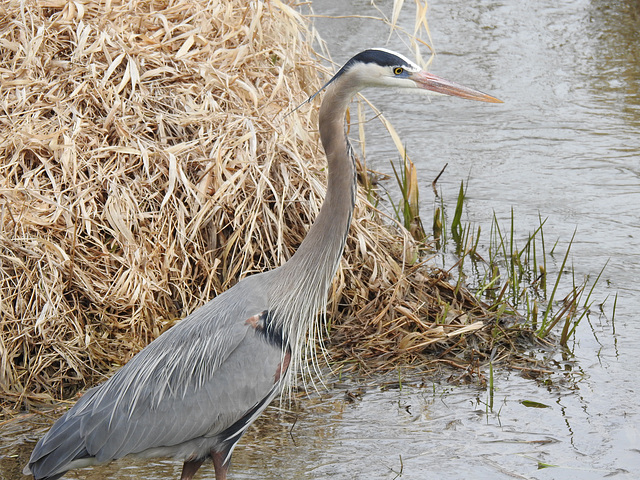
564	146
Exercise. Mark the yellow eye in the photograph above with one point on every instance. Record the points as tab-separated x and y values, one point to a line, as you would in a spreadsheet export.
398	70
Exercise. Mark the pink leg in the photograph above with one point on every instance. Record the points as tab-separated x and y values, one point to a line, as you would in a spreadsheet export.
219	465
190	468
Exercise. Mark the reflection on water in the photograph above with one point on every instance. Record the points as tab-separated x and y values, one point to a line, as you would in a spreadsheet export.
564	145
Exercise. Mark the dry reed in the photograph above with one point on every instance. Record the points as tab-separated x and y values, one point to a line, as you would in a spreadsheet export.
146	165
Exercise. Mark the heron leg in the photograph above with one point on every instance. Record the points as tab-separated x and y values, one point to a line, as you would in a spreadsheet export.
190	468
220	465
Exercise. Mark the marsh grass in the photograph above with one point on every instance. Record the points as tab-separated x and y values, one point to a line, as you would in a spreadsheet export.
515	278
408	208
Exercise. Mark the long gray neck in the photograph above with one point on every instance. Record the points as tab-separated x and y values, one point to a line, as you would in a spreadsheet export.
319	254
301	284
322	248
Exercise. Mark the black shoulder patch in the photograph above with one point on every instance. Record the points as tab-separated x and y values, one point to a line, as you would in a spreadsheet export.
265	325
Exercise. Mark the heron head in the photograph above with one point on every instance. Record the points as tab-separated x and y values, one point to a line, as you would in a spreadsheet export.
379	67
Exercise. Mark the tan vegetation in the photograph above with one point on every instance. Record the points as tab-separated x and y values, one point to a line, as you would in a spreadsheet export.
146	164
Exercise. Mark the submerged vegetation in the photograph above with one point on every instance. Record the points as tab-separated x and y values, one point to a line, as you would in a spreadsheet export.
147	164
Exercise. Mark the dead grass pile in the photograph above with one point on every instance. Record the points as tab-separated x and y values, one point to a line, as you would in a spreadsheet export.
145	164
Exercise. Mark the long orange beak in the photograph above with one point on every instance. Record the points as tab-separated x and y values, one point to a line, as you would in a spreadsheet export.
436	84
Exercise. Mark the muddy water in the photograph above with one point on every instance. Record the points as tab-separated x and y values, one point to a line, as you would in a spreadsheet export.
564	145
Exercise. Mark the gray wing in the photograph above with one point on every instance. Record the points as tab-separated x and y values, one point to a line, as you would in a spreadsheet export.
196	380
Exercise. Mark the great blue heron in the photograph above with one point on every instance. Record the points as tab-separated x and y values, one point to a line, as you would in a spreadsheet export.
193	392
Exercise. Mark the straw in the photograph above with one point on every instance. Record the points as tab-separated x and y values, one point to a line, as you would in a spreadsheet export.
147	165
